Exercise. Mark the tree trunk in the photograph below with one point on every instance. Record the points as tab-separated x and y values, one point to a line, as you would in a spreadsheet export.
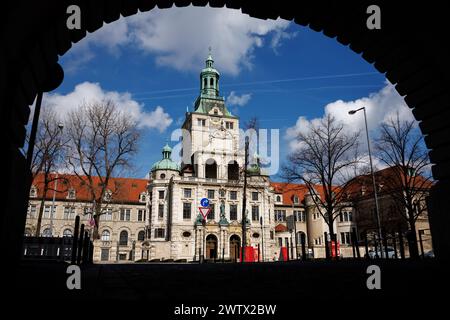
41	211
413	249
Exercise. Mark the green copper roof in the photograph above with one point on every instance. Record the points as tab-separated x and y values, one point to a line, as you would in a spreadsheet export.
166	163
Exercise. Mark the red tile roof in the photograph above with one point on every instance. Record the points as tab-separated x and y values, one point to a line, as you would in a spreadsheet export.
388	179
288	190
124	190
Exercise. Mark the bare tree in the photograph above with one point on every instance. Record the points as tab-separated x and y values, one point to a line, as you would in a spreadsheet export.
102	142
326	158
401	147
47	157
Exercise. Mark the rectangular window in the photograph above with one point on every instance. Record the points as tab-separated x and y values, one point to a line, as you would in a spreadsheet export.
271	235
160	233
160	211
187	193
280	242
229	125
32	210
161	194
255	196
105	255
350	216
233	212
201	122
69	213
210	194
211	212
48	210
255	213
345	237
280	215
186	210
125	214
122	256
233	195
107	215
141	214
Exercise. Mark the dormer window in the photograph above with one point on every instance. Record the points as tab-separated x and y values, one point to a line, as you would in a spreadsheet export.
278	199
71	194
142	197
33	192
108	195
295	199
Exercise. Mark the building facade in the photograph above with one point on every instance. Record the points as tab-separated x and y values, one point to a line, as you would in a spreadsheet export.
159	219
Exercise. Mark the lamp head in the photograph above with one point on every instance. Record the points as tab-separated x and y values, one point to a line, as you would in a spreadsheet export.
352	112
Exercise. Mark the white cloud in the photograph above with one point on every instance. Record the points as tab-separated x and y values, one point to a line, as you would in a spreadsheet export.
235	100
380	106
63	104
180	37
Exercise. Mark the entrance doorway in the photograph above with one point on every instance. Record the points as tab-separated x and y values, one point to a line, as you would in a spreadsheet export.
211	247
235	244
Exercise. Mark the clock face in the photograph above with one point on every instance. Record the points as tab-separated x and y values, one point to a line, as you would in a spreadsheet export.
215	121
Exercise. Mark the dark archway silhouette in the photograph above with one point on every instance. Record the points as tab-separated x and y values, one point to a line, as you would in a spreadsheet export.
410	49
211	247
235	245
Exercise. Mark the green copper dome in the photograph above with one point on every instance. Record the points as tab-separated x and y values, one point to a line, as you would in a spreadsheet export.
166	163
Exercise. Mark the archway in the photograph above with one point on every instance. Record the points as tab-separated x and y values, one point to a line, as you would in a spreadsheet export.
211	169
211	247
233	170
413	56
235	245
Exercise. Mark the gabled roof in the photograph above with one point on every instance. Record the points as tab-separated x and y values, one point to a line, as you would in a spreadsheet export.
289	190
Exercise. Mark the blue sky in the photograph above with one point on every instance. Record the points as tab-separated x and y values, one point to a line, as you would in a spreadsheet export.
282	73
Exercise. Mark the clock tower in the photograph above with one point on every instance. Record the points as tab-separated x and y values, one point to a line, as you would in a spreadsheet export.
211	136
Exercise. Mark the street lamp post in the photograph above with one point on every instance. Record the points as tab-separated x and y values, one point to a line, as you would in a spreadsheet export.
351	112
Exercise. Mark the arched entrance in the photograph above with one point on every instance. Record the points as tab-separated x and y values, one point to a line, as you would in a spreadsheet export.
211	247
235	244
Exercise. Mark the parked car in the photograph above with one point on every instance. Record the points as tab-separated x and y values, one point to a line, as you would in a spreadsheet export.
390	253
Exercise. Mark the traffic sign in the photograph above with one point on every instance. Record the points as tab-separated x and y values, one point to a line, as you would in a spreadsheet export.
204	211
204	202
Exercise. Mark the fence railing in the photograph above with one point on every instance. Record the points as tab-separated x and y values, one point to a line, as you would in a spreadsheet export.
78	249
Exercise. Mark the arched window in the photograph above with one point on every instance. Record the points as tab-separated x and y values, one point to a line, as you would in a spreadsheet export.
211	82
106	235
67	233
123	238
278	199
233	171
47	232
141	236
204	83
211	169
